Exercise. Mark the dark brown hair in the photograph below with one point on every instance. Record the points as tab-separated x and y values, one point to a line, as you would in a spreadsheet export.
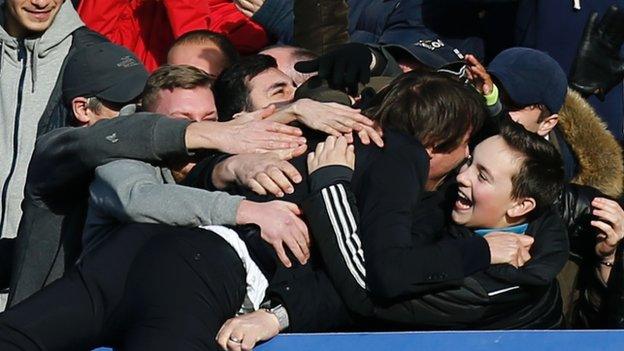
541	173
432	107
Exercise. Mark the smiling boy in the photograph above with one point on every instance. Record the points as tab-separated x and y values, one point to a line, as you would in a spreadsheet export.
508	185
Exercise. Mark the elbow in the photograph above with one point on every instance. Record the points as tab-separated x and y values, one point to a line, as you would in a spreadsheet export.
384	285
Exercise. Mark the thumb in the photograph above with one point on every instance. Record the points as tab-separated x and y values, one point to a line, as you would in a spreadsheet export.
307	66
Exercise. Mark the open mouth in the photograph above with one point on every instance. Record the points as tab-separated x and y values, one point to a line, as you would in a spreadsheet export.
463	202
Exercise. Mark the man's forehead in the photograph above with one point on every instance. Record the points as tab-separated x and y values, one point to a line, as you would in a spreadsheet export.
268	78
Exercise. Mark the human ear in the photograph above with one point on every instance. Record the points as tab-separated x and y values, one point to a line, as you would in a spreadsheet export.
547	124
521	207
79	107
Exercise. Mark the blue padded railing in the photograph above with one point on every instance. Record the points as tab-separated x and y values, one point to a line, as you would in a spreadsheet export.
568	340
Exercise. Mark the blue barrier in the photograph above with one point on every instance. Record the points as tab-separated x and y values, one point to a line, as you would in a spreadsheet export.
569	340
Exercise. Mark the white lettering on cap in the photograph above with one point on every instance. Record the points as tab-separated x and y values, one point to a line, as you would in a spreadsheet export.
127	62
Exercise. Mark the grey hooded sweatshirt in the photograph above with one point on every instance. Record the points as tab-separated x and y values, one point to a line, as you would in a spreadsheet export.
29	69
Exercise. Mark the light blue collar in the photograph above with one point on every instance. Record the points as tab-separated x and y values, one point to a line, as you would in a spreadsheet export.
516	229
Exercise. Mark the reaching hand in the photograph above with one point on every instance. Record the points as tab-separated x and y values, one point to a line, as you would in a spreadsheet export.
244	331
334	151
343	68
610	223
509	248
598	66
280	225
262	173
248	133
336	119
478	76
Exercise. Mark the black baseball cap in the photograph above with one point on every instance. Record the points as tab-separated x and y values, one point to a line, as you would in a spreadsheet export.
530	77
107	71
433	53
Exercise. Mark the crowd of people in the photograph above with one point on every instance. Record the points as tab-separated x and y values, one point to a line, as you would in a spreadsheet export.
182	175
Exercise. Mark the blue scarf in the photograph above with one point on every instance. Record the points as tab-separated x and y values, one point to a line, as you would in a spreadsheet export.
517	229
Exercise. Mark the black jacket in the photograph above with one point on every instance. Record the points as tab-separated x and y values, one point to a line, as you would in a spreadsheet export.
499	297
56	192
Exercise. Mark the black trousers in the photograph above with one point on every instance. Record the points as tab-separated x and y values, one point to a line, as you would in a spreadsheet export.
147	287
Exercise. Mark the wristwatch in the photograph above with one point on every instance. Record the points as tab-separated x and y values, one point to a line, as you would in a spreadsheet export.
280	312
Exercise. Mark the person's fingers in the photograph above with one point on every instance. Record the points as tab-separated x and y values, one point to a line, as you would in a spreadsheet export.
349	137
606	216
248	342
373	135
281	254
287	154
234	343
307	66
311	161
351	154
330	143
341	144
364	136
590	27
297	249
290	171
281	128
292	207
303	229
525	255
224	334
268	184
612	237
604	203
337	127
319	149
526	240
254	186
279	177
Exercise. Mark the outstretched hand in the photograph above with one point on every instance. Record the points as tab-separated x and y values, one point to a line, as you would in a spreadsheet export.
343	68
598	66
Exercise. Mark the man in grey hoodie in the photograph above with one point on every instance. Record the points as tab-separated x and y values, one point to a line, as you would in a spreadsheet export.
35	39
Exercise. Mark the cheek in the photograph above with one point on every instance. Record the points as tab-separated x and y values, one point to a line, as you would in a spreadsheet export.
486	203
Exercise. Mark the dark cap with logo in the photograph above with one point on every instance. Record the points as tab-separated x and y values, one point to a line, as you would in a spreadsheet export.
433	53
530	77
107	71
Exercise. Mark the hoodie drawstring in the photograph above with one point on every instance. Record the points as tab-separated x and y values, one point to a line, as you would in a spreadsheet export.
577	5
2	48
34	60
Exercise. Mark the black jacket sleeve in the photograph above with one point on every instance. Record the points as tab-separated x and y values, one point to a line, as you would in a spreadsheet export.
392	215
64	158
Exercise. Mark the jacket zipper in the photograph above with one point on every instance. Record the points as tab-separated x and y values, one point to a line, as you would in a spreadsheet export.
21	56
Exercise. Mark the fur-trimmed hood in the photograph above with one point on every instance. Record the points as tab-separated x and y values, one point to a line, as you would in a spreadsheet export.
598	154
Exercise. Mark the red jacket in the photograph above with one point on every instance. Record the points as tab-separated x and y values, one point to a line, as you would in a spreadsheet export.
148	27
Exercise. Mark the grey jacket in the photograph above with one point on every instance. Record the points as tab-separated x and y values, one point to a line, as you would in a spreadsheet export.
29	69
125	191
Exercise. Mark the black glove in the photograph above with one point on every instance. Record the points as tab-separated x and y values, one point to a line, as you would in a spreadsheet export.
598	66
343	68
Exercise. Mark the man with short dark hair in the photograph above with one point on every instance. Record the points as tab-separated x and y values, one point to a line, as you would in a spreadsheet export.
207	50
